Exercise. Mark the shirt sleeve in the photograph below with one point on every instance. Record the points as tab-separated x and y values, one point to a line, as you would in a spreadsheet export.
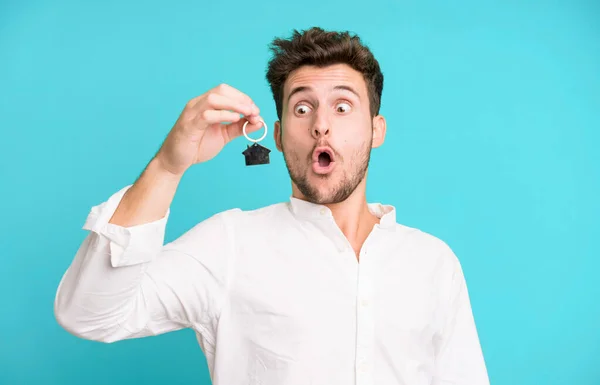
124	282
459	356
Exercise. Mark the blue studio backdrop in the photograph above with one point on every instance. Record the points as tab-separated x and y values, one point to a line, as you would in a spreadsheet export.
493	113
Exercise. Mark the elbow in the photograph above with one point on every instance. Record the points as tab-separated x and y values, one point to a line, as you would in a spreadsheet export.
84	330
82	327
69	323
76	314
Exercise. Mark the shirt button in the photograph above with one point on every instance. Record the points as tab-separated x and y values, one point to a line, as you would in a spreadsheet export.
323	211
364	302
364	367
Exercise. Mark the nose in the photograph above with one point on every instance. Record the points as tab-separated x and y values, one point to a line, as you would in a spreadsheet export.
321	126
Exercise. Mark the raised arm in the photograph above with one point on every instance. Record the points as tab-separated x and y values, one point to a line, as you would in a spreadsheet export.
124	282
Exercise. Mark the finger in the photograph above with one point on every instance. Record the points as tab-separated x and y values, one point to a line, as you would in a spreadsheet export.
236	129
220	116
234	93
216	101
254	119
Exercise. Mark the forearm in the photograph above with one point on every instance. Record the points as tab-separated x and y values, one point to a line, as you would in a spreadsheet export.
148	199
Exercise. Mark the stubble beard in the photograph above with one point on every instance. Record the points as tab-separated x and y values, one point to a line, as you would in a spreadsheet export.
351	176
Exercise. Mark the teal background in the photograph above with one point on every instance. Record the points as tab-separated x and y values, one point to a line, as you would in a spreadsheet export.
493	113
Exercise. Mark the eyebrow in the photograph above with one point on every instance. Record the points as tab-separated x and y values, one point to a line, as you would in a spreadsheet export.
306	88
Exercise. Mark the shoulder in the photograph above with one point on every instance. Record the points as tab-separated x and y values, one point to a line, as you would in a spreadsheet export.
224	227
422	239
236	217
412	241
426	247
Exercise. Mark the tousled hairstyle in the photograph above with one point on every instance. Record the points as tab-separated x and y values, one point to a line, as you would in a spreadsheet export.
317	47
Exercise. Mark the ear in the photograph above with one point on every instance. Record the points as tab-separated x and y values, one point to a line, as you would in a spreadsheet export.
277	135
379	128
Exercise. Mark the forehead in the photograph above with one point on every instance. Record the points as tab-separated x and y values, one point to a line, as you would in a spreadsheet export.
325	79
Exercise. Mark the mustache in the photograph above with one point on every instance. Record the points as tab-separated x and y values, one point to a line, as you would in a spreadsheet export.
323	143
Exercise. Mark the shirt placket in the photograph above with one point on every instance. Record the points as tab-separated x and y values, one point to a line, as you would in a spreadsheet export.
365	321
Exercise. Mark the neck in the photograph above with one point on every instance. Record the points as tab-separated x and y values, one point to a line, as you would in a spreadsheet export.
353	217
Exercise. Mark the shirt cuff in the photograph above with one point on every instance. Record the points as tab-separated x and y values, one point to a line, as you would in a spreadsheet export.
128	245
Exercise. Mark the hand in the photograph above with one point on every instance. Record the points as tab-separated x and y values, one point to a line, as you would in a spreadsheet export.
201	130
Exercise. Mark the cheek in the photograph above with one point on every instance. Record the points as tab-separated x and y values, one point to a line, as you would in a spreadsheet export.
296	134
296	126
295	148
354	137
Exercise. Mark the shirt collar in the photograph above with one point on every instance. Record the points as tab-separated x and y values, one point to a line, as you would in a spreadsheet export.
313	211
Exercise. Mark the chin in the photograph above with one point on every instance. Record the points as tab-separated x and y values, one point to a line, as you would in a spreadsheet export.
325	189
323	183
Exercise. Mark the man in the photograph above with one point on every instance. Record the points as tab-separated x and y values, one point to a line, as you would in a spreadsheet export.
322	289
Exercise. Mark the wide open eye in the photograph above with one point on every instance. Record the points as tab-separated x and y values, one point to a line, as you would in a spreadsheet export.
342	108
302	109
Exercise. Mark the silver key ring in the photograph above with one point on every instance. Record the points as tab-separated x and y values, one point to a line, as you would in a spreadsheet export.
255	140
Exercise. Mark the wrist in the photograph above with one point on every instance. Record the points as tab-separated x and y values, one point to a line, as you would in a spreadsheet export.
149	198
156	168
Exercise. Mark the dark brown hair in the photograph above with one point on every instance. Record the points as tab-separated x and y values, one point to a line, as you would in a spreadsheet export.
321	48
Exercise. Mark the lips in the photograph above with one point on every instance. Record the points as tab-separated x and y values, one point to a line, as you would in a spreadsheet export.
323	160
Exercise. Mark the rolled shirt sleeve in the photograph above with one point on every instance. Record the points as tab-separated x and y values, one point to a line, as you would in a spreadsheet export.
124	282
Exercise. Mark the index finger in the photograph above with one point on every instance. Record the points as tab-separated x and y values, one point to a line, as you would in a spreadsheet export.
235	94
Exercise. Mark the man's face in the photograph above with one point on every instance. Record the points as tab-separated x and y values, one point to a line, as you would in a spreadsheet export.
327	132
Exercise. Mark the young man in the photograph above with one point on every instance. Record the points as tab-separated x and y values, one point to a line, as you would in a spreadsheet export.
322	289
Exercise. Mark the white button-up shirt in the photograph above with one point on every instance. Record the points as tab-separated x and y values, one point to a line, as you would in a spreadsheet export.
277	296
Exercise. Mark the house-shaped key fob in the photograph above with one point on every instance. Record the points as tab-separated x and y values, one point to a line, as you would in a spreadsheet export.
256	155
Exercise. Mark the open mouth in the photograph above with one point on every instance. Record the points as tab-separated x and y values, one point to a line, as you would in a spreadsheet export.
323	160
